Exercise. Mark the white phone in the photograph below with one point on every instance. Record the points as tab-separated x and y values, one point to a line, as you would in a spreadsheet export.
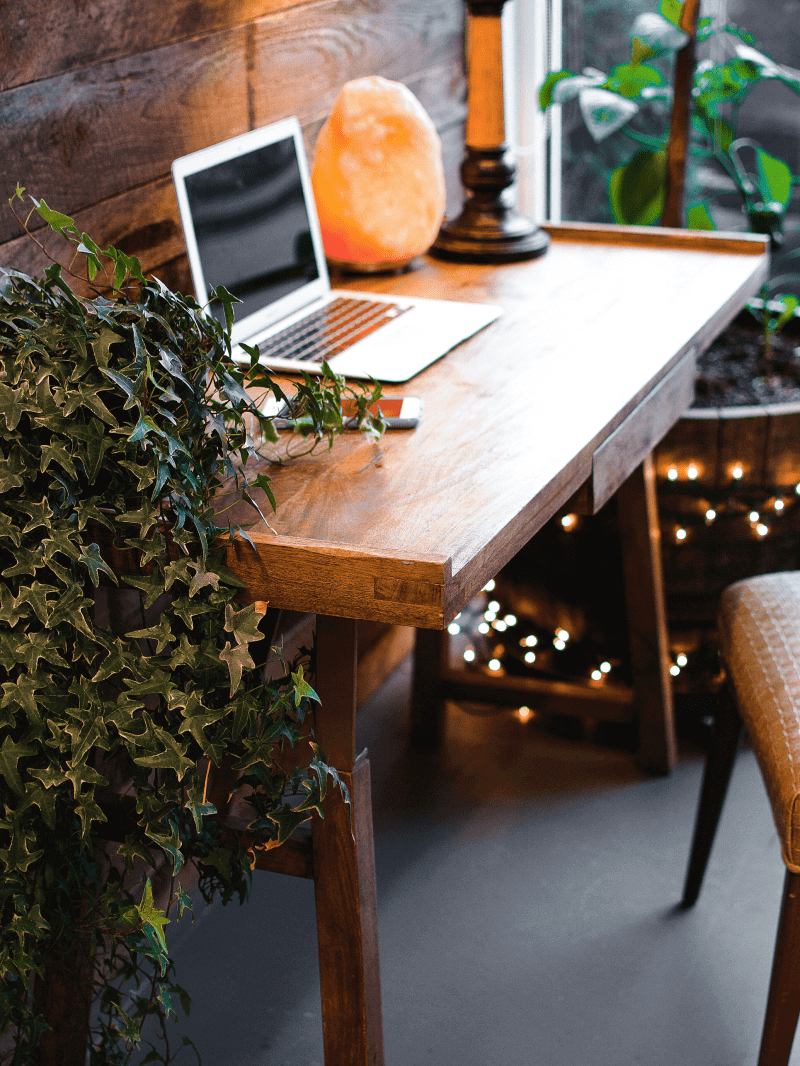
398	412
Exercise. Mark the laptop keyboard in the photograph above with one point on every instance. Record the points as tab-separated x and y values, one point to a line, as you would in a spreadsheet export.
324	333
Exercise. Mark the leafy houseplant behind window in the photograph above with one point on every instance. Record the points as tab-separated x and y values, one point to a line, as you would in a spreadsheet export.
633	101
122	415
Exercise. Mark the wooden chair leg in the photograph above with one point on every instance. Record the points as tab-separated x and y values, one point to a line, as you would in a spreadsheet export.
431	652
647	622
783	1002
717	774
344	866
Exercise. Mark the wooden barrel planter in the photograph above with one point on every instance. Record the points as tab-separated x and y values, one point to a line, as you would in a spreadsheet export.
728	481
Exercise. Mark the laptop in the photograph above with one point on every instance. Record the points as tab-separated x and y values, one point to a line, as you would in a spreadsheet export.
250	223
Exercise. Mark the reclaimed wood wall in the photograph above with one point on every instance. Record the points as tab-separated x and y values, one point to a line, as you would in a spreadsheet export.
97	97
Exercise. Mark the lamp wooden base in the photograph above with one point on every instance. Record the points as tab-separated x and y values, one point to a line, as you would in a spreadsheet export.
489	228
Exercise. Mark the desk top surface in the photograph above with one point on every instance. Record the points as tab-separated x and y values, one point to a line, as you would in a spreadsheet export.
409	528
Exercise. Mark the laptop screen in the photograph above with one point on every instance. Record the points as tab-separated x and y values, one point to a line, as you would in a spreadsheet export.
252	227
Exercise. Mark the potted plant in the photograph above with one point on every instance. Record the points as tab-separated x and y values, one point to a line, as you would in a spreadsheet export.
728	470
124	418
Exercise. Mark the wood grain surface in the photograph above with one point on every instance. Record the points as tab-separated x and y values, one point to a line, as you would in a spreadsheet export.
96	99
511	422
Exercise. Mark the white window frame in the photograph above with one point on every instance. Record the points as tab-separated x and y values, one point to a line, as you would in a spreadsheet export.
532	47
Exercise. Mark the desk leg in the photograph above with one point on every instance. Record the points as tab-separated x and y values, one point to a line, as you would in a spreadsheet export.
647	619
431	654
344	866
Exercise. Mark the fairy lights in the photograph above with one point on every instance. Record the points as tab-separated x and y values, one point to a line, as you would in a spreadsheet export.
597	675
681	659
469	655
711	514
754	516
454	629
762	530
529	657
738	472
692	472
489	586
494	664
680	534
569	521
525	713
605	667
672	473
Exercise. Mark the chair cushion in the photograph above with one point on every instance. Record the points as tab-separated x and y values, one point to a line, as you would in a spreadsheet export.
760	640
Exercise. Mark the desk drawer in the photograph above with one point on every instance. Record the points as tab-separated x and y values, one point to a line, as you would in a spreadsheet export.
619	455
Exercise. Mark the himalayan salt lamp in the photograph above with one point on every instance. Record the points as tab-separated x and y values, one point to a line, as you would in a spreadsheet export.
377	176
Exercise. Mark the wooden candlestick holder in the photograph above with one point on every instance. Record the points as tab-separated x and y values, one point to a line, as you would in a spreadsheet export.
489	229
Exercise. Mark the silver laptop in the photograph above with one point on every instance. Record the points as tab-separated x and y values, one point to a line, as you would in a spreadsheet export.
250	223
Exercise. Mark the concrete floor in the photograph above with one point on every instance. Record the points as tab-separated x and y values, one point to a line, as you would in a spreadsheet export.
527	888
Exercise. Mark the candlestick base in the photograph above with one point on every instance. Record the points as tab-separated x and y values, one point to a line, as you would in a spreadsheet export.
489	229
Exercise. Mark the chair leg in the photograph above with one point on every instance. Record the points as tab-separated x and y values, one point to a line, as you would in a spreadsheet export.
783	1003
719	764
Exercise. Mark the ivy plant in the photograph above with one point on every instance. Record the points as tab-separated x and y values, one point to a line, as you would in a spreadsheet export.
632	102
122	417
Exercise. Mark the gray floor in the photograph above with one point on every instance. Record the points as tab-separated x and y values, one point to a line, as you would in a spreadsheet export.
527	888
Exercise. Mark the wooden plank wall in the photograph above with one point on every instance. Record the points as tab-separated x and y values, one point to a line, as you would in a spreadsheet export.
98	96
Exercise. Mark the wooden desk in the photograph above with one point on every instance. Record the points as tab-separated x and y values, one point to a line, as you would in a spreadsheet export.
588	367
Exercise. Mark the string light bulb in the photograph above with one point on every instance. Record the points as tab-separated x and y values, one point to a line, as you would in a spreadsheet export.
672	473
681	659
568	521
524	713
737	472
489	586
605	667
692	472
711	514
597	675
530	657
453	629
562	634
469	655
483	628
494	664
754	516
510	619
529	642
493	605
680	534
762	530
559	644
779	504
500	625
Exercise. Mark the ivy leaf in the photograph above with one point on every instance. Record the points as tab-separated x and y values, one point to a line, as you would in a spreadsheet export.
151	916
243	624
95	564
202	579
36	596
237	660
10	754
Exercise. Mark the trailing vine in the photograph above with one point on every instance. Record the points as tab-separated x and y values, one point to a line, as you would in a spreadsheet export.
122	415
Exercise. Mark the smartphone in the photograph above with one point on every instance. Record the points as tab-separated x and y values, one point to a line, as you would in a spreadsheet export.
398	412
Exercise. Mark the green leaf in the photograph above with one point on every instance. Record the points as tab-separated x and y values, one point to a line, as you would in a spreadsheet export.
10	754
243	624
95	564
629	79
774	179
237	660
546	91
658	34
698	217
636	190
604	112
672	10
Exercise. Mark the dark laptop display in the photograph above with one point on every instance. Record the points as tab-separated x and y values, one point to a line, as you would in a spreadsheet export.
252	227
